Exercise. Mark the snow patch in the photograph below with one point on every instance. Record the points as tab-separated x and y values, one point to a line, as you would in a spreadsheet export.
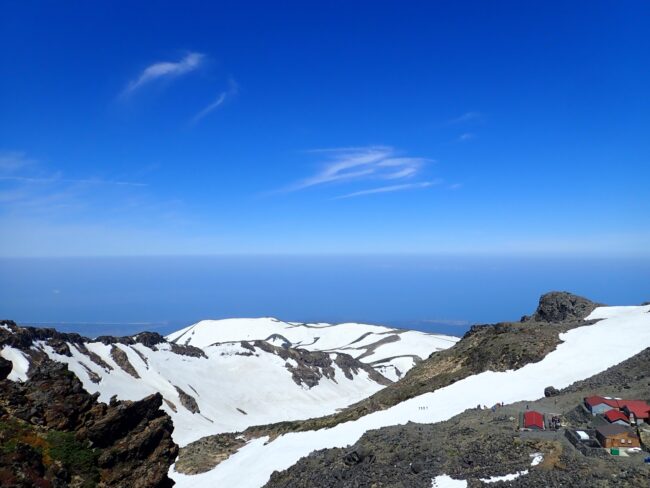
444	481
505	477
538	457
19	361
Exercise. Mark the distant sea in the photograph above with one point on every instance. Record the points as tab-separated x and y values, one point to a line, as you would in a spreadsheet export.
444	294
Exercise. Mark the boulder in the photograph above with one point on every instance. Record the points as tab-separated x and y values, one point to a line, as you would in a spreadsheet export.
560	306
551	391
358	455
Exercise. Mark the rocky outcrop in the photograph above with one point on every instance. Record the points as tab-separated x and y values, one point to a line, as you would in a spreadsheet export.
5	368
560	306
62	436
122	360
24	338
94	357
550	391
308	367
188	401
187	350
208	452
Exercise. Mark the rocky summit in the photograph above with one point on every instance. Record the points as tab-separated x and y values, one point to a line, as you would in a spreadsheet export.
560	306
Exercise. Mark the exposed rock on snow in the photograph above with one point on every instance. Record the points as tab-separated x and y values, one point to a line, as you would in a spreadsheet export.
387	349
188	401
122	360
206	389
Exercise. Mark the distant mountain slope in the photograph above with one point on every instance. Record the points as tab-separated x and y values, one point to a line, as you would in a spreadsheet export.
391	351
544	353
221	386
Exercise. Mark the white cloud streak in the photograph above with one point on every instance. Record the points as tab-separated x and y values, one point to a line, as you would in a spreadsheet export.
165	69
11	161
363	163
218	102
389	189
466	117
27	188
56	179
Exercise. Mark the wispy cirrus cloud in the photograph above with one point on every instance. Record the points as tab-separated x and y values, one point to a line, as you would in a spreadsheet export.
232	90
390	189
11	161
466	117
466	136
28	186
58	179
165	70
369	164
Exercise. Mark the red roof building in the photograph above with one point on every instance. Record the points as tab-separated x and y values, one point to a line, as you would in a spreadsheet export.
639	408
616	416
533	420
594	401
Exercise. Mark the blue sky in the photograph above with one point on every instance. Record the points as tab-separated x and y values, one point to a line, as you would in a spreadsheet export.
133	128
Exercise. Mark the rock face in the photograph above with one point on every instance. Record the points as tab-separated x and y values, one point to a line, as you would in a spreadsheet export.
59	435
5	368
560	306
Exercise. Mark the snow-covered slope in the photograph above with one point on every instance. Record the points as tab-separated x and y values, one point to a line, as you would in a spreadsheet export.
228	389
391	351
584	352
223	376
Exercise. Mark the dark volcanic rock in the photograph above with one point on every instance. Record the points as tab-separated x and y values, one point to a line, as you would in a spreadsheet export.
188	401
358	455
187	350
64	437
123	418
120	357
550	391
94	357
310	366
5	368
60	347
560	306
149	339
